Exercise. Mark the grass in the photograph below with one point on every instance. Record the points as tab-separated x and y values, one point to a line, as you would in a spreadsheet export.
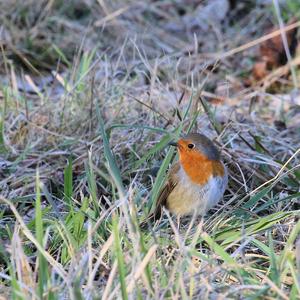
91	93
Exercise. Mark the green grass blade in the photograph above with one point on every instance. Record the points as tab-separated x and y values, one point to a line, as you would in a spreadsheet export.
155	149
15	288
270	203
254	199
159	181
264	248
160	178
274	271
61	55
112	165
119	257
85	63
218	249
295	275
68	183
91	179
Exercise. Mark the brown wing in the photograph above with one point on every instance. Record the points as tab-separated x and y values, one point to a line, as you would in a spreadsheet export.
166	190
164	193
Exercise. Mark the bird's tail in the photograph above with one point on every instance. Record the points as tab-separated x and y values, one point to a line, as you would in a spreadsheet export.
151	218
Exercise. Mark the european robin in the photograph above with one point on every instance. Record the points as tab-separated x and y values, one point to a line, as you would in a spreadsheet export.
196	182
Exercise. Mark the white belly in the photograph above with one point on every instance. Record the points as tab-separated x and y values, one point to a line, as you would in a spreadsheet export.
189	198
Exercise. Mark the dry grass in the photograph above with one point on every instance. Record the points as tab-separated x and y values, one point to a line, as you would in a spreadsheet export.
91	93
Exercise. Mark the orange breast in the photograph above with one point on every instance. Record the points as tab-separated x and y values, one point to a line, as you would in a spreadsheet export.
198	167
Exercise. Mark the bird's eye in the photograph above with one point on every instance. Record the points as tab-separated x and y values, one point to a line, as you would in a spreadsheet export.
191	146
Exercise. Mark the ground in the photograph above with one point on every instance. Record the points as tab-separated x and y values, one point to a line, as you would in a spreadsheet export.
92	92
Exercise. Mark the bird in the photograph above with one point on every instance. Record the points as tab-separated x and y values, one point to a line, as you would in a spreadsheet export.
196	182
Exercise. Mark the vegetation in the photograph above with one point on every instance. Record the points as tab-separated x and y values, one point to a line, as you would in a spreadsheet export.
91	93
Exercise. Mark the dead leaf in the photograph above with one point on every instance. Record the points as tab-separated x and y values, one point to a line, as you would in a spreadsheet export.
259	70
272	52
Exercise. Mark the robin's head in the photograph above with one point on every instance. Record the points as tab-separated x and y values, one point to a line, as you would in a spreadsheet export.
195	145
199	157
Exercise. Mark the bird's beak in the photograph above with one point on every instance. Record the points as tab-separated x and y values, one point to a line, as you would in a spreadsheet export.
173	144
